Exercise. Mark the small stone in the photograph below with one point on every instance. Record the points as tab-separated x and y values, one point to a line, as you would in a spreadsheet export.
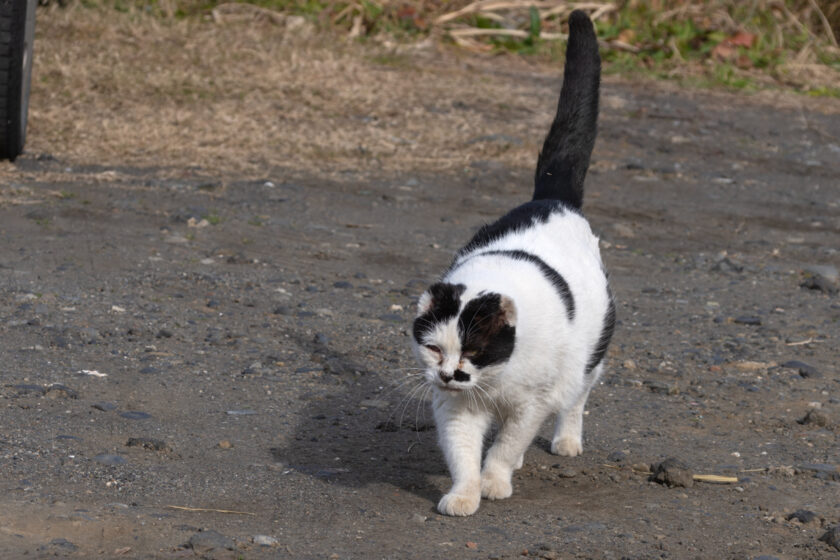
135	415
164	333
661	388
417	518
828	272
815	417
149	369
820	283
62	544
804	516
727	265
24	390
109	459
282	310
104	406
629	364
747	320
832	537
672	472
254	369
59	391
207	541
617	456
241	412
805	370
148	443
321	339
567	472
265	540
342	285
225	444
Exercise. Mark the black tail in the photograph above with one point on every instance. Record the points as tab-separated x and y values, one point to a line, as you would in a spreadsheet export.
564	159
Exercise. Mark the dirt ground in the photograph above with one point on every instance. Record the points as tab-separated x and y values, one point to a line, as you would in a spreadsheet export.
205	359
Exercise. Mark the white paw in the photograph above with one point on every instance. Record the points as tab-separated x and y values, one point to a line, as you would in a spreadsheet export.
568	447
496	487
459	504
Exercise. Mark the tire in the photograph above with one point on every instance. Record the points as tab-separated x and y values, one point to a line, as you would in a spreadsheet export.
17	34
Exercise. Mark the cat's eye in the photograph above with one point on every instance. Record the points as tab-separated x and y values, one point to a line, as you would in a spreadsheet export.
433	348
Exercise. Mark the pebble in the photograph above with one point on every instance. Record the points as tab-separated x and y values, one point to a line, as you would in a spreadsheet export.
149	369
148	443
265	540
832	537
661	387
241	412
672	472
321	339
815	417
164	333
417	518
804	516
109	459
805	370
253	369
747	320
828	272
342	285
62	544
820	283
104	406
225	444
135	415
23	390
617	456
207	541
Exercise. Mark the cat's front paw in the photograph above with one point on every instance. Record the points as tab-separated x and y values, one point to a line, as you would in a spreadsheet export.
496	487
459	504
567	447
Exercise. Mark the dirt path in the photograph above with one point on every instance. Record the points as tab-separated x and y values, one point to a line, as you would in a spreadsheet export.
251	336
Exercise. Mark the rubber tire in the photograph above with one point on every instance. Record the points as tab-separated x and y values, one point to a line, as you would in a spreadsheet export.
17	34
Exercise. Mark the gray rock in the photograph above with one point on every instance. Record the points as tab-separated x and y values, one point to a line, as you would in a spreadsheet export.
59	391
832	537
135	415
815	417
373	403
828	272
104	406
25	390
819	283
804	516
208	541
342	285
109	459
747	320
149	369
148	443
241	412
661	387
672	472
805	370
60	544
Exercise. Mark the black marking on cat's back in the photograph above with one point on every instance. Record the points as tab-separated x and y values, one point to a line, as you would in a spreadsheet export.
606	335
446	301
484	331
555	278
521	217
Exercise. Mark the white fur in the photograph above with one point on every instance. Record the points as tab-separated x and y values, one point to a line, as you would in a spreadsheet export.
545	373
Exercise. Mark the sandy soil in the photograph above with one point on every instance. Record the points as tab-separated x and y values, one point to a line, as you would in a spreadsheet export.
235	339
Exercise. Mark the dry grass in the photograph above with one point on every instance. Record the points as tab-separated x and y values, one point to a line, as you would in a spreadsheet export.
253	92
249	96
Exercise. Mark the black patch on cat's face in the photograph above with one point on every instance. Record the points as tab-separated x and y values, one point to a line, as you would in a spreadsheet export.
446	301
486	334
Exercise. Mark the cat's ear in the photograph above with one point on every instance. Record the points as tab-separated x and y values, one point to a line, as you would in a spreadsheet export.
425	303
507	310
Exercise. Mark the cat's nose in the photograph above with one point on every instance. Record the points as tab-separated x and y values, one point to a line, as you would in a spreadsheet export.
445	378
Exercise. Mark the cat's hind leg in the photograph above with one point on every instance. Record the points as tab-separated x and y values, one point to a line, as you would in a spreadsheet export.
568	429
507	453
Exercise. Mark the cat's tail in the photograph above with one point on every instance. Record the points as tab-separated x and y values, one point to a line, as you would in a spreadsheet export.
564	159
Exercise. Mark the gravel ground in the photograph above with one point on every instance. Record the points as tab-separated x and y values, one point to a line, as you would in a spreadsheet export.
213	367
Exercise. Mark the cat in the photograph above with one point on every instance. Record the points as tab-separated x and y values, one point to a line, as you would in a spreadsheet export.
519	324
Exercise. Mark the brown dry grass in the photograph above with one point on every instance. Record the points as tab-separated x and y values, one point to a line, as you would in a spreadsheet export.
247	96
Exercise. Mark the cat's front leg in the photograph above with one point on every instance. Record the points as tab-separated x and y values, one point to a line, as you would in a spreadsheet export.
507	454
460	434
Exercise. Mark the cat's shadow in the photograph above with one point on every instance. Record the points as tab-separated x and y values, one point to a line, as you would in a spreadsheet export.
361	427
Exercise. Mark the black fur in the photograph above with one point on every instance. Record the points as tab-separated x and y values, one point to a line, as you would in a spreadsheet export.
564	159
604	340
549	273
485	332
521	217
446	301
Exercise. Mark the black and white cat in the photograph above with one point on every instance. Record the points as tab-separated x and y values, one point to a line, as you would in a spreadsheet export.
517	328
